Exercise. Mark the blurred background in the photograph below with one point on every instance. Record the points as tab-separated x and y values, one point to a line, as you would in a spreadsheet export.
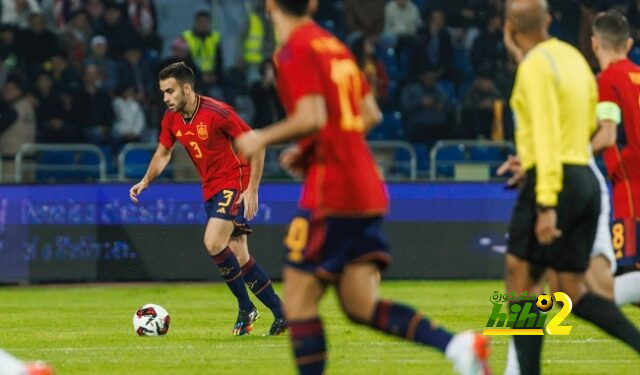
84	72
80	104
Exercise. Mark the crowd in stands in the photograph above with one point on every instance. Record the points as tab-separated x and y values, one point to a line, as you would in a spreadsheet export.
85	70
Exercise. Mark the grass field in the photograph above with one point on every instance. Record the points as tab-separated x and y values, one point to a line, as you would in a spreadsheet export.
87	330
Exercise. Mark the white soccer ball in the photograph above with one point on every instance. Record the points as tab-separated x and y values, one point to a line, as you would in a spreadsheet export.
151	320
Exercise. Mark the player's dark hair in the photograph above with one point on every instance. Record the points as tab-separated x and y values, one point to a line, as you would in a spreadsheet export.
612	28
180	71
296	8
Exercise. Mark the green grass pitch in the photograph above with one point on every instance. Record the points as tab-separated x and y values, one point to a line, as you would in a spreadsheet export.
87	330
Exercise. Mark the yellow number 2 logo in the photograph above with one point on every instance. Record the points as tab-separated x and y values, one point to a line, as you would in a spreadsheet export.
554	327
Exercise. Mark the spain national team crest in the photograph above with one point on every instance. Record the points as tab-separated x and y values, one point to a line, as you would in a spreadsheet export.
202	131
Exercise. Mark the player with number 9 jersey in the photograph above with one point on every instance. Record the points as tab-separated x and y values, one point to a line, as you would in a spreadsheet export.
341	177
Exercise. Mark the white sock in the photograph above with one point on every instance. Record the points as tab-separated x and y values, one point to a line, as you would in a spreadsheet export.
626	288
9	365
513	366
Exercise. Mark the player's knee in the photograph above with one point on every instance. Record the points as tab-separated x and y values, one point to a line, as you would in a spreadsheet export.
215	245
357	312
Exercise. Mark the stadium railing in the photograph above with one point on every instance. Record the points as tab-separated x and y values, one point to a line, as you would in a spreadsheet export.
75	166
468	159
398	160
392	158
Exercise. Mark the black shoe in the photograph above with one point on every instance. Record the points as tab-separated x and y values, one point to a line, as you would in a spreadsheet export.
244	323
278	327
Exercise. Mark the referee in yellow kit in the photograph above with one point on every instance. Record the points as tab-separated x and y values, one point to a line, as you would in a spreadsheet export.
554	222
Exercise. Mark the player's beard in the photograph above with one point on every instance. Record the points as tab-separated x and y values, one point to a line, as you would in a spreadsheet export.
180	104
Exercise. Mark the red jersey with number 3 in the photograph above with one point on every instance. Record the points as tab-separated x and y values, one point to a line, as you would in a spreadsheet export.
208	138
341	177
620	84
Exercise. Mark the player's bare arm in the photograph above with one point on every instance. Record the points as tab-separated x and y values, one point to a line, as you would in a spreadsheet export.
370	112
158	163
290	161
310	116
250	196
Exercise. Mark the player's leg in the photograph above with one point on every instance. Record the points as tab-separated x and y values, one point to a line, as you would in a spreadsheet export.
358	294
9	365
258	282
598	277
626	288
302	293
599	311
523	276
216	240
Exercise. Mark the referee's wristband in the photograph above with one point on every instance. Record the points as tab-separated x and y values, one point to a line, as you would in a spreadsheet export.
542	208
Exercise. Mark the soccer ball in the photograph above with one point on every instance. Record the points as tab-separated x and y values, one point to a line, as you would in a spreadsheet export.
151	320
544	302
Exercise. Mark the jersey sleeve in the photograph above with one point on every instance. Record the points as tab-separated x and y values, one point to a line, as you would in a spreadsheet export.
167	138
234	125
300	72
608	107
540	83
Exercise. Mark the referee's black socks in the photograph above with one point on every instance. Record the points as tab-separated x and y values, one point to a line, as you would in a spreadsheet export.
606	315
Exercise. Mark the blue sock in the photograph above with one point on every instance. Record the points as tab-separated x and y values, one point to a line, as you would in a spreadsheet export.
307	339
403	321
230	270
260	284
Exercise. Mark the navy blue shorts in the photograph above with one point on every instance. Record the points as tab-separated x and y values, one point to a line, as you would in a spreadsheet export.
223	206
324	246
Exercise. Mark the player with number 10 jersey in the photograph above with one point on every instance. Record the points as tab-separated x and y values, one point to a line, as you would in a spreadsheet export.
341	177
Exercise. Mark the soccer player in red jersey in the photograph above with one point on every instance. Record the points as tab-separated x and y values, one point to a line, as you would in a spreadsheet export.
337	238
206	128
619	92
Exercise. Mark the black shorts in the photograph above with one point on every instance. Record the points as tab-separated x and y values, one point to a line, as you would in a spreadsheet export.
577	212
223	206
324	246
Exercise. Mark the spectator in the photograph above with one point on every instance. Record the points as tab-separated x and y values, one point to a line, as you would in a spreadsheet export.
253	46
65	79
53	116
479	105
426	107
180	52
142	16
75	36
488	48
107	66
204	45
10	52
22	130
134	70
92	109
402	18
95	10
117	29
265	98
42	43
16	12
58	12
233	21
373	68
364	17
435	45
129	117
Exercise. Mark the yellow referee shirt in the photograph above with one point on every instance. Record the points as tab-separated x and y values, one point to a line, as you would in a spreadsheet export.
554	103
